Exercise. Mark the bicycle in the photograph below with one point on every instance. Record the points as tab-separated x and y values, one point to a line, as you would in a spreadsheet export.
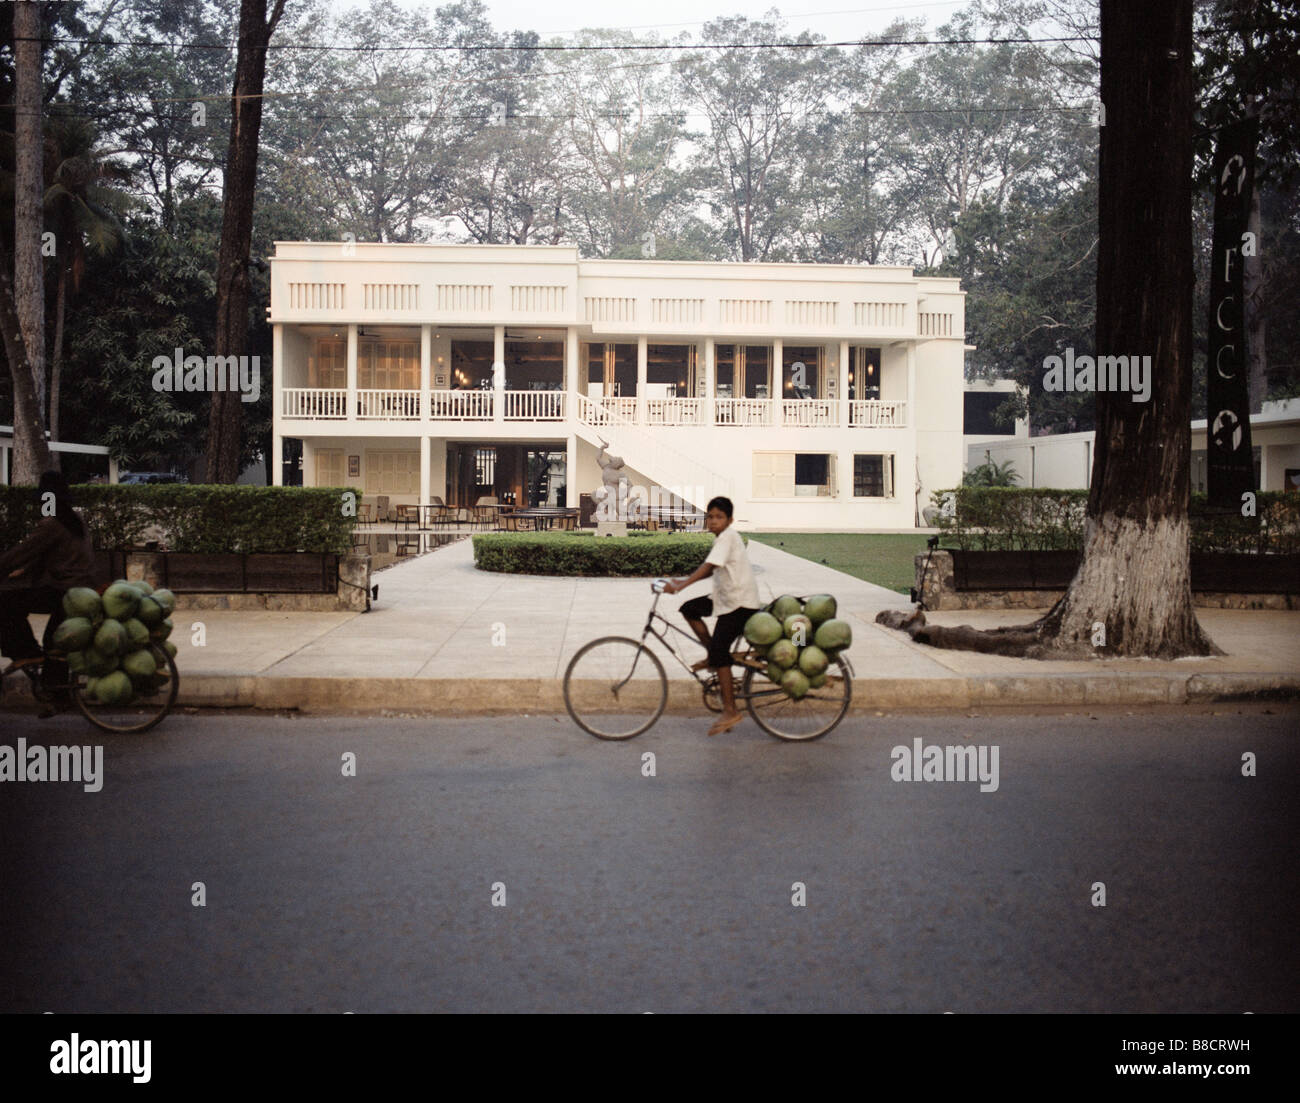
143	713
608	696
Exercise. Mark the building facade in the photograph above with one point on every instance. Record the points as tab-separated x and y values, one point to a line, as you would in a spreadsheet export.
814	396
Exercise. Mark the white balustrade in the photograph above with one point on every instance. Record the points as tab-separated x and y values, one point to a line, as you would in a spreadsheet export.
534	405
314	403
373	405
460	405
877	414
810	413
675	411
743	411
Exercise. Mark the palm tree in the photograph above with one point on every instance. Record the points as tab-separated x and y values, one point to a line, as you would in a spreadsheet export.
80	209
990	473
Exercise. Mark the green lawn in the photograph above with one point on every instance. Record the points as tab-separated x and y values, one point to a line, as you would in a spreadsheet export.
885	559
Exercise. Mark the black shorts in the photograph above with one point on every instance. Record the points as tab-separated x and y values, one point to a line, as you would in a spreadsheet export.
729	626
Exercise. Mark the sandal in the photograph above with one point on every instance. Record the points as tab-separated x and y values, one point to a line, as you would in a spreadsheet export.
726	724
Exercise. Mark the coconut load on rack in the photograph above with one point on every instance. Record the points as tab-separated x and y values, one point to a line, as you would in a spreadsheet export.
800	640
118	640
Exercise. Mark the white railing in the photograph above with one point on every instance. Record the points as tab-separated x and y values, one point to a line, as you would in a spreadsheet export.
674	411
534	406
875	414
315	403
646	452
743	411
460	405
388	405
610	409
810	413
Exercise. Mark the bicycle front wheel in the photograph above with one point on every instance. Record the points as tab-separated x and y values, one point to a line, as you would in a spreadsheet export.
615	688
812	716
152	700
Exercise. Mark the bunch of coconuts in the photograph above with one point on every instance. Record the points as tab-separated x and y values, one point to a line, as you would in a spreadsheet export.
112	639
799	639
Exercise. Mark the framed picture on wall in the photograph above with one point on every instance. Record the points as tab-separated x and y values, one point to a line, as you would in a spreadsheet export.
354	467
440	380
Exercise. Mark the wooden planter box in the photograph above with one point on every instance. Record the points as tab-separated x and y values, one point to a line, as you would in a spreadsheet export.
1212	572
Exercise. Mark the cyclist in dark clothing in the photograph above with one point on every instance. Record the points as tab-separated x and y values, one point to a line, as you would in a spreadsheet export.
35	574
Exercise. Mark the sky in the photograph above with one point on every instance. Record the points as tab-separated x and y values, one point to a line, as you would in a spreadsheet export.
837	20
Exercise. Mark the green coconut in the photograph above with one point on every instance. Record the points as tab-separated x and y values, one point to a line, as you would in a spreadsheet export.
813	660
73	634
77	661
144	587
111	639
799	628
121	601
166	599
783	653
97	663
762	629
775	672
161	631
81	601
787	605
137	634
115	688
150	612
819	608
817	681
795	683
833	636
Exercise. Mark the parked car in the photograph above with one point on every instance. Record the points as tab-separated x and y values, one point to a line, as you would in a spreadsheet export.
138	477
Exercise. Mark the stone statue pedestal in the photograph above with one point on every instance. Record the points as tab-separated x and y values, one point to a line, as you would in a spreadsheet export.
611	528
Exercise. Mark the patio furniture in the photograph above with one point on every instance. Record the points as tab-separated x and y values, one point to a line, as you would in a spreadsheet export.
381	507
408	515
544	517
433	512
365	513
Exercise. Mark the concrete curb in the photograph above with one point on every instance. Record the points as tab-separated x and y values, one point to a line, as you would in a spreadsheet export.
515	697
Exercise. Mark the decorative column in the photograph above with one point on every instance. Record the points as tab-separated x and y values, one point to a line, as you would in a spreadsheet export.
845	409
642	372
425	487
276	459
708	382
426	355
498	373
571	351
571	472
352	372
776	381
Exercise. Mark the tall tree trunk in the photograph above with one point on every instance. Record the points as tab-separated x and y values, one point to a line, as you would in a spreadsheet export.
1132	593
28	424
226	411
56	364
31	456
1135	578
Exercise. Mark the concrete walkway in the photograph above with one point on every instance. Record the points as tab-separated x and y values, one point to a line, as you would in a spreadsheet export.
446	637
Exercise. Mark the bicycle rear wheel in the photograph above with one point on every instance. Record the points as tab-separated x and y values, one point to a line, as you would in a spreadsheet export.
148	706
812	716
615	688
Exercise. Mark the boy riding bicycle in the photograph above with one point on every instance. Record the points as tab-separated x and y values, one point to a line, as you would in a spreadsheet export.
735	600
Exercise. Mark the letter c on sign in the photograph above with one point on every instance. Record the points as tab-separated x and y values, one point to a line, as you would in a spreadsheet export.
1218	314
1218	363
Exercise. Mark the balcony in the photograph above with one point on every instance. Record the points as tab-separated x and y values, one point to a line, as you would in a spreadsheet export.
331	404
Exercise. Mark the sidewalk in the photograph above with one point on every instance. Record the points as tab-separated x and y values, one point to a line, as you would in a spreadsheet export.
446	637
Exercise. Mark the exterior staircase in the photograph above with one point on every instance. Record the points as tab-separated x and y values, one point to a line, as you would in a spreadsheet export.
645	451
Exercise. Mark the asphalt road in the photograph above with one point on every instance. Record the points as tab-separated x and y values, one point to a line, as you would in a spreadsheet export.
622	892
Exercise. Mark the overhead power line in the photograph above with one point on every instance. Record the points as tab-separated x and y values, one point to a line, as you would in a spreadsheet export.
559	48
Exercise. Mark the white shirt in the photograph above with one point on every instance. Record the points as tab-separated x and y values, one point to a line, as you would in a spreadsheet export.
733	578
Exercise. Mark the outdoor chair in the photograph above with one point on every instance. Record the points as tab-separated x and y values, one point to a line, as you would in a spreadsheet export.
381	508
365	513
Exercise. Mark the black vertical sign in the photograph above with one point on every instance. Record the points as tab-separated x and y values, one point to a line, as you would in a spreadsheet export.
1231	470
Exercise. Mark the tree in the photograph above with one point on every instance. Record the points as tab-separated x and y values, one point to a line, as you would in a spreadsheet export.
31	456
255	30
1132	592
28	424
81	212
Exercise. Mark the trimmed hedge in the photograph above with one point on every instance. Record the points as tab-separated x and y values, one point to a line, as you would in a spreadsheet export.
1041	519
207	518
650	554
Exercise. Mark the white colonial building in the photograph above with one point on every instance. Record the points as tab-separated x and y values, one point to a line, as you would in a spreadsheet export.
814	396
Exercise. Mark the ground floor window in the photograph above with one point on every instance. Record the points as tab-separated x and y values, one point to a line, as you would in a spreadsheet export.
794	474
873	476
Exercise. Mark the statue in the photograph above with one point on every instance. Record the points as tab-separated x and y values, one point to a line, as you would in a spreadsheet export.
615	494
